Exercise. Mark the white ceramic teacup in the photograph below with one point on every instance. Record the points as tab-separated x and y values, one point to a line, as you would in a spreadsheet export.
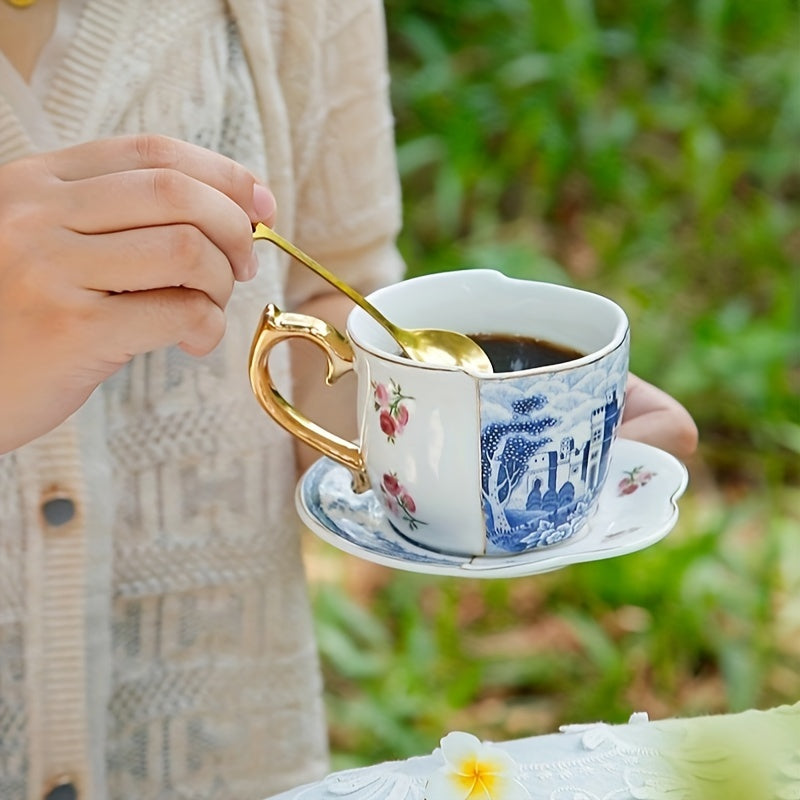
478	464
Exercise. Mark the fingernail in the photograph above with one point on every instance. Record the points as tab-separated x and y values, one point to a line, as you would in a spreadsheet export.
263	203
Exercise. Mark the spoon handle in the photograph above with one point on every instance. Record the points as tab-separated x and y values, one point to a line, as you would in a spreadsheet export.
263	232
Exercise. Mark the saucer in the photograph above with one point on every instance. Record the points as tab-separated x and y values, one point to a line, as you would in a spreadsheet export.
637	508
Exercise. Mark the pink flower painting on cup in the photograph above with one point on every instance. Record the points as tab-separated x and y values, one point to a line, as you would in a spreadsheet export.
393	413
634	478
399	501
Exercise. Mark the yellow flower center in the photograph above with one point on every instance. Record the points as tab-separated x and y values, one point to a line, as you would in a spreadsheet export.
480	780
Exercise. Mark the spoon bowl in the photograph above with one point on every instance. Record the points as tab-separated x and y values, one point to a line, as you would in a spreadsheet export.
429	345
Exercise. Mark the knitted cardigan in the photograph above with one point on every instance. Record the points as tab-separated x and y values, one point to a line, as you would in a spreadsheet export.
155	634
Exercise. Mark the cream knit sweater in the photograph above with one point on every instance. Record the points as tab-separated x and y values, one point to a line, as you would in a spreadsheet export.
155	637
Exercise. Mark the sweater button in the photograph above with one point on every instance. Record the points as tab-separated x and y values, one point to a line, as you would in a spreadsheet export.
58	511
64	791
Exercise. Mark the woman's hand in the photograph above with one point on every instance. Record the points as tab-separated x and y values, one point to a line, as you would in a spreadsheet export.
110	249
656	418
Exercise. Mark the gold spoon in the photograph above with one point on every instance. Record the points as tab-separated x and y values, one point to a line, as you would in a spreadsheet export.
430	345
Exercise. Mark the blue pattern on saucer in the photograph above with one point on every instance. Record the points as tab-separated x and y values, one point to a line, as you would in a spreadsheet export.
637	507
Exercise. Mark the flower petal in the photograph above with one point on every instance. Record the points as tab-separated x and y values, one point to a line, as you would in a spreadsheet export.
459	748
503	787
445	784
494	761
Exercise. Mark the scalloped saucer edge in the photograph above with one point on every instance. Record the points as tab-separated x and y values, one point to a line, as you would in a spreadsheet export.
638	507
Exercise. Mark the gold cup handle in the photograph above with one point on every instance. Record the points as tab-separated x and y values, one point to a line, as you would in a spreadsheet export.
277	326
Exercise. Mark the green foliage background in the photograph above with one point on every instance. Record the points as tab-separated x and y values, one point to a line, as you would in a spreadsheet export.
648	150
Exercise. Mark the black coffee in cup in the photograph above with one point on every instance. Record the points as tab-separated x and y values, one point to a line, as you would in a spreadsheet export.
510	353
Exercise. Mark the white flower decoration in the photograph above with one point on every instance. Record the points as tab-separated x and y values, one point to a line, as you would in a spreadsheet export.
474	770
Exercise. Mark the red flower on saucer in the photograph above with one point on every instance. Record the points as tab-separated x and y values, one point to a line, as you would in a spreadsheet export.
634	478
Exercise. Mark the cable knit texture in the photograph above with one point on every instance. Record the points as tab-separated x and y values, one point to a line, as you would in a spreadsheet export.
159	643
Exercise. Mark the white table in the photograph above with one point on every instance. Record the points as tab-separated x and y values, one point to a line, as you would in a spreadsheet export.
754	755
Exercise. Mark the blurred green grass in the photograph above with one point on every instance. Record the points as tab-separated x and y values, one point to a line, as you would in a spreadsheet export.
650	151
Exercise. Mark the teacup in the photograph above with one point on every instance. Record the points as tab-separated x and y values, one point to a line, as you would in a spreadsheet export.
470	463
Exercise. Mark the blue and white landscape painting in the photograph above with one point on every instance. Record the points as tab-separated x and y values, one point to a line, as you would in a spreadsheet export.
545	448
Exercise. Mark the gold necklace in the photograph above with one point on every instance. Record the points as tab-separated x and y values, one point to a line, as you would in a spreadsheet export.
20	3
